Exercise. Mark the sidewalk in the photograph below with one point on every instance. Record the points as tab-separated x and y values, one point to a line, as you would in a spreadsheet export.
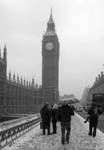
79	139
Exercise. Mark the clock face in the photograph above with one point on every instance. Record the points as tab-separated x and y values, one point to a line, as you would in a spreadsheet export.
49	46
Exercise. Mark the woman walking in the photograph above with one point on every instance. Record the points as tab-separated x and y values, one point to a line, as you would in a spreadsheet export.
54	115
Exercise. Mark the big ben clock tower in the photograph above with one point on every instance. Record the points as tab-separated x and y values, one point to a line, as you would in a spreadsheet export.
50	63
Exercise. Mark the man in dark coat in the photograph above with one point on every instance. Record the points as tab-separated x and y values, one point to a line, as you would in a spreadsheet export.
45	115
54	115
93	116
64	116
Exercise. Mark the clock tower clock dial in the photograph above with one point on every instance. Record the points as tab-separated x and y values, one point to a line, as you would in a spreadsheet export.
50	63
49	46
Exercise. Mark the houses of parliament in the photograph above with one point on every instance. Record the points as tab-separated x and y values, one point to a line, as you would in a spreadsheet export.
18	96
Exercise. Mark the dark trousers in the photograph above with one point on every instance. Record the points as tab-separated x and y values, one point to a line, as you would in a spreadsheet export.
92	128
54	126
46	126
65	126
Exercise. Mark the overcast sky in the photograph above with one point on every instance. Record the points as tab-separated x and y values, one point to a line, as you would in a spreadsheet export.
79	26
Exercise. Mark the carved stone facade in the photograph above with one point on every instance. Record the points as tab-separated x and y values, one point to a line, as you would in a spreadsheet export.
17	96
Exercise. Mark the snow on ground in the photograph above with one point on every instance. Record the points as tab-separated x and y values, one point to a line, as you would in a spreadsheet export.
12	123
79	139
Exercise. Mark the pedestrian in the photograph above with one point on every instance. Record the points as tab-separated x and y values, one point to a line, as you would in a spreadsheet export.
93	117
45	115
64	116
54	115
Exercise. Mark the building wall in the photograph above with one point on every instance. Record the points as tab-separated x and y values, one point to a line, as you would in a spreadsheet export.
97	88
20	99
3	69
16	96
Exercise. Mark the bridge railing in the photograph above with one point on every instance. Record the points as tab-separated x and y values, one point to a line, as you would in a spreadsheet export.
7	136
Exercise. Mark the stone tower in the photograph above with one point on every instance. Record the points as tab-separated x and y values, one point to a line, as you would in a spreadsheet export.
50	63
3	74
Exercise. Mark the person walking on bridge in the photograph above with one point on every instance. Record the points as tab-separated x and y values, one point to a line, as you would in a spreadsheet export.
46	117
93	116
54	115
64	116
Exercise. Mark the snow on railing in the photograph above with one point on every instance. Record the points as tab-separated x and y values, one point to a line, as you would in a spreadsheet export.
7	136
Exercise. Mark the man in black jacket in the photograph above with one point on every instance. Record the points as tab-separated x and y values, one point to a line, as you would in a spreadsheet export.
45	115
93	116
64	116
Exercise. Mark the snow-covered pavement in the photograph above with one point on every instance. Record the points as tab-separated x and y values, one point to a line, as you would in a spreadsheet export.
79	139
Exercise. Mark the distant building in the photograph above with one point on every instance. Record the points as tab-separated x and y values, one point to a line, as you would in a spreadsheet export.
68	96
84	98
96	92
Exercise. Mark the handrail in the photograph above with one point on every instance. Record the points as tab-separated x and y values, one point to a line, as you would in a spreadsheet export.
9	135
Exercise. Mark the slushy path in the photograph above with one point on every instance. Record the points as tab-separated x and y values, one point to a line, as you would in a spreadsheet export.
79	139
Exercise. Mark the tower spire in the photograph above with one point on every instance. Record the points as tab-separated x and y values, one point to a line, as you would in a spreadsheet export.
5	53
50	26
51	18
51	10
